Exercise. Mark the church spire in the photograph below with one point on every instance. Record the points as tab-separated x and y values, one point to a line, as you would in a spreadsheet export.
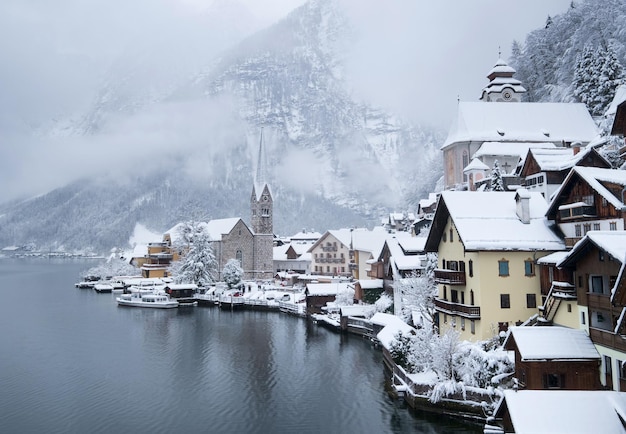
502	86
260	177
261	201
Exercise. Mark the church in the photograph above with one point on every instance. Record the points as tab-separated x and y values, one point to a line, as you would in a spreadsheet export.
231	238
500	126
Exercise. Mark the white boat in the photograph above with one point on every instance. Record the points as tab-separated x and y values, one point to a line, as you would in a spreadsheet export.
103	287
141	299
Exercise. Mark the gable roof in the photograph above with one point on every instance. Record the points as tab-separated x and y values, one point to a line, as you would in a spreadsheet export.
521	122
611	242
560	159
565	411
489	221
595	177
549	343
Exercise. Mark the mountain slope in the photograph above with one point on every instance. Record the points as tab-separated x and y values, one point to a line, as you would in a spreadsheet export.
334	160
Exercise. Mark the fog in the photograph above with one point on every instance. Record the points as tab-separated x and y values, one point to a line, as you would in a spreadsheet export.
414	58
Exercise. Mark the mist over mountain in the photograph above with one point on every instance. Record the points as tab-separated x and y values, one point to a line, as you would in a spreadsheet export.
185	140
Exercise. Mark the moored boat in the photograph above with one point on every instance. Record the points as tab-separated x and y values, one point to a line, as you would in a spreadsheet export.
103	287
152	300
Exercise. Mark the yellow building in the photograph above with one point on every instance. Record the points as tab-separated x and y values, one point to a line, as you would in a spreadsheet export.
487	245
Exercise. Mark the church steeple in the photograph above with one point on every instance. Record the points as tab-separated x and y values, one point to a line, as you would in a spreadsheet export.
261	201
502	86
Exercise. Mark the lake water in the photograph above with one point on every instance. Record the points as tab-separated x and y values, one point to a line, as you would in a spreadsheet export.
72	361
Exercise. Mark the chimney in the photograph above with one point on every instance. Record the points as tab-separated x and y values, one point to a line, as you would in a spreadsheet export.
576	147
522	201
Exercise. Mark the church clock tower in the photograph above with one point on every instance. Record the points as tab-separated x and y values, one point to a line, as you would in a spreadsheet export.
502	86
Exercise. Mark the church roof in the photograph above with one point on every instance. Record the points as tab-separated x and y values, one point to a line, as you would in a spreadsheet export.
521	122
501	68
215	228
475	164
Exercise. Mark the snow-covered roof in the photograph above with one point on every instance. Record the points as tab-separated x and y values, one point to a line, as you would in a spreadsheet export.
355	310
552	258
306	236
594	176
558	159
509	149
280	252
431	201
489	221
319	289
612	242
501	67
541	343
371	283
412	244
400	259
214	228
521	122
566	411
475	164
391	326
618	98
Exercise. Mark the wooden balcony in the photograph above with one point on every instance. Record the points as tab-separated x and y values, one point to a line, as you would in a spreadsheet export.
570	241
449	277
607	339
464	310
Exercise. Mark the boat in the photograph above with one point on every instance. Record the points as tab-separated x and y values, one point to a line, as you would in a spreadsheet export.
103	287
150	300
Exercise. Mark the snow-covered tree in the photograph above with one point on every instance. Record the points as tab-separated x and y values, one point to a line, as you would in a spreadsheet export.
383	303
418	292
232	273
611	75
345	297
198	264
497	184
585	76
113	266
445	349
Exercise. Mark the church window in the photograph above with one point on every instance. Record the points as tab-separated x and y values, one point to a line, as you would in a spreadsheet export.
239	257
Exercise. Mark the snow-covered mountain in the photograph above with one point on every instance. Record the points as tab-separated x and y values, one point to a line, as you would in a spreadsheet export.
183	142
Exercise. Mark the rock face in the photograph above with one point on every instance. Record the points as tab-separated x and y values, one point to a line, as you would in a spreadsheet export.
333	160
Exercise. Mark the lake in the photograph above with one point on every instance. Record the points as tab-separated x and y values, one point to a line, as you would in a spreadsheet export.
72	361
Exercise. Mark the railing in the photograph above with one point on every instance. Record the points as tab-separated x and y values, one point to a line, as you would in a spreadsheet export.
464	310
329	248
359	326
607	339
598	301
449	277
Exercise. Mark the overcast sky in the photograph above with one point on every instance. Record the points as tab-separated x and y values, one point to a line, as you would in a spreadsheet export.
411	56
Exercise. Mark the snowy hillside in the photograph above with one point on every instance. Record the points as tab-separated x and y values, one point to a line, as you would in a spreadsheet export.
187	139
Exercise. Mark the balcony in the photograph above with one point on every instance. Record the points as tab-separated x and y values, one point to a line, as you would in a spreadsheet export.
449	277
464	310
329	248
570	241
607	339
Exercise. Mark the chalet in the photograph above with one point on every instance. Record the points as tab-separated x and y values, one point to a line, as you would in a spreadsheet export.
589	199
332	254
293	257
559	411
544	170
596	262
501	119
554	358
488	244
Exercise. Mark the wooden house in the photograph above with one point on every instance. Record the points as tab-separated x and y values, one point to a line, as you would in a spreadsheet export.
554	358
590	199
545	169
597	261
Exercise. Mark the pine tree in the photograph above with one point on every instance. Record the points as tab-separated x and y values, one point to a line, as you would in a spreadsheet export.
610	77
585	79
497	184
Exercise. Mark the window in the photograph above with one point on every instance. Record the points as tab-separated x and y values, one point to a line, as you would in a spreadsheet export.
503	267
471	268
582	318
596	226
586	227
580	281
600	255
445	293
613	226
239	257
472	297
445	237
472	327
505	301
451	235
578	231
608	366
553	381
529	268
569	307
454	295
531	301
596	284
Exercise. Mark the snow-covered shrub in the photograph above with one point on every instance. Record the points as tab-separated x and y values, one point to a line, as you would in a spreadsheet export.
232	273
383	303
345	297
444	389
402	350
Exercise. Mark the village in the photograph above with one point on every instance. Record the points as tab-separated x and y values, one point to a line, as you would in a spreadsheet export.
521	255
